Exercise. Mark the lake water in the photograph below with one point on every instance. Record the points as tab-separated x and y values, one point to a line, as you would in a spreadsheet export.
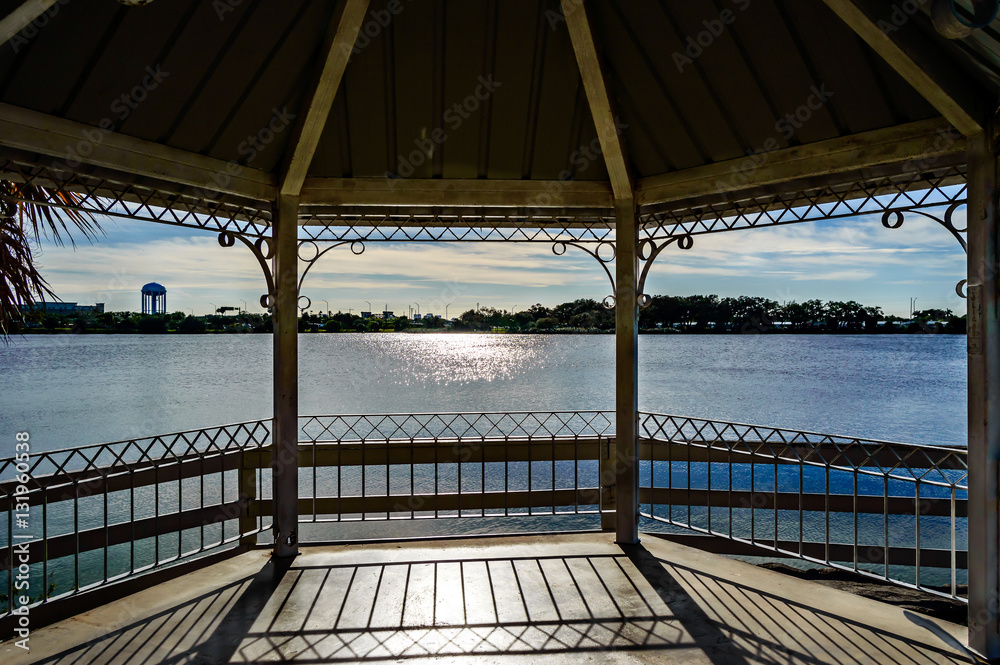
72	390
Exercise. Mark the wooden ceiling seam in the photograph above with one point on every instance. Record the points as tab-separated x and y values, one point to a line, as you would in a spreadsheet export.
100	48
438	66
733	32
312	118
192	99
678	112
738	136
807	61
535	90
391	134
254	78
489	71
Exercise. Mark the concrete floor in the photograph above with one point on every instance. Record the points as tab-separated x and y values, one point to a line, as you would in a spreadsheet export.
554	599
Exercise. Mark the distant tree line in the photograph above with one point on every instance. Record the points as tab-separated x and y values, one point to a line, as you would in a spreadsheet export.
686	314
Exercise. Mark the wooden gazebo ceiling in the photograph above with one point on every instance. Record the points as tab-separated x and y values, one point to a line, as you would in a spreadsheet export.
230	68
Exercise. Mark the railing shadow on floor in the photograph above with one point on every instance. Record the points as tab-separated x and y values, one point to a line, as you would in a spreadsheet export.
517	606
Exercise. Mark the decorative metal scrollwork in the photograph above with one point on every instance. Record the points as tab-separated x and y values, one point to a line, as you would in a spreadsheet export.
263	250
648	251
559	249
313	254
893	219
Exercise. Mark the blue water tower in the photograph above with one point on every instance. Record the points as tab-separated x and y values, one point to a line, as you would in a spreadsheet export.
154	299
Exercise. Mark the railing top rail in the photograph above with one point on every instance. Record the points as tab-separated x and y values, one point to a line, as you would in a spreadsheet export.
825	438
124	442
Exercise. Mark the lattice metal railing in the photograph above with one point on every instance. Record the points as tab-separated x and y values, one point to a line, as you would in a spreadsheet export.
890	197
382	467
81	518
580	226
100	195
887	510
84	518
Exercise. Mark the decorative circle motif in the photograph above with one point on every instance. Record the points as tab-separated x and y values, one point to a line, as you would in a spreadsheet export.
685	242
357	248
313	247
307	305
265	248
959	290
606	245
226	239
558	248
645	300
267	301
949	216
892	224
646	249
609	302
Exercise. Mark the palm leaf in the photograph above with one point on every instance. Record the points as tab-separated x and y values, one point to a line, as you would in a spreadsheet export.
27	215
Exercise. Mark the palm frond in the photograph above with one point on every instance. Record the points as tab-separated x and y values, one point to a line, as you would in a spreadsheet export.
29	214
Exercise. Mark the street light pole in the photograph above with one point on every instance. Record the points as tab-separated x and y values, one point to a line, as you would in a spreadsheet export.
327	303
244	305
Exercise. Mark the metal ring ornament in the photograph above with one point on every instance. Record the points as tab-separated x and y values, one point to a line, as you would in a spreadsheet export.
646	249
892	213
559	248
959	290
308	304
609	302
603	245
357	248
226	239
315	250
265	248
267	301
685	242
644	300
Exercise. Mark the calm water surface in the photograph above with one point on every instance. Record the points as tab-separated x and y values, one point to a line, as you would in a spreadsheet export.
76	390
71	390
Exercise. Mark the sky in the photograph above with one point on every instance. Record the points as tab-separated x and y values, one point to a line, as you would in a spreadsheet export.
851	259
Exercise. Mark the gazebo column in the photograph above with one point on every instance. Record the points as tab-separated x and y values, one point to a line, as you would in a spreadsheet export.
285	432
626	458
984	397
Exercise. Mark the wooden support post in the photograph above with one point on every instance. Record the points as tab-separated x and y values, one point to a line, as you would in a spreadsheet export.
984	398
626	459
248	500
285	433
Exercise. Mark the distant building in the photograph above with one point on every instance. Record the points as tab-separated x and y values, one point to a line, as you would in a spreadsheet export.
366	315
154	299
387	314
66	308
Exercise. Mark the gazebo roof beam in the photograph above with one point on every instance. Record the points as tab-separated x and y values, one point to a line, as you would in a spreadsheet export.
71	144
920	144
21	18
456	193
595	84
337	52
927	68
